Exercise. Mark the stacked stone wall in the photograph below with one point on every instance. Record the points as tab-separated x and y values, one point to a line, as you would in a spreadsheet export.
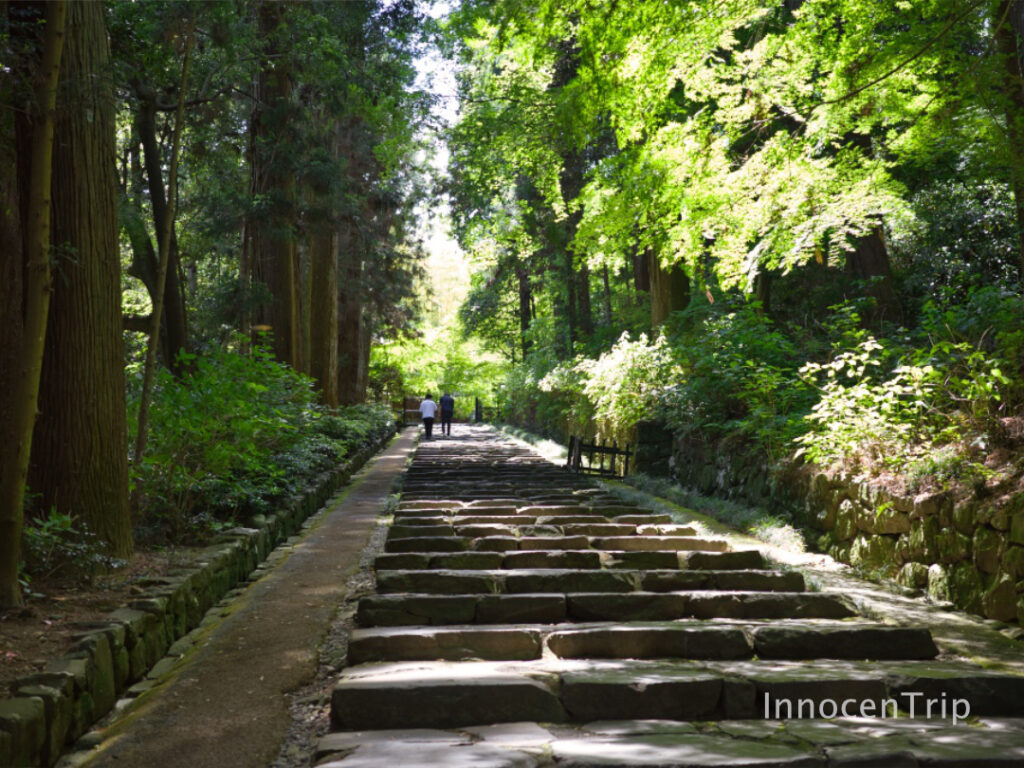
965	550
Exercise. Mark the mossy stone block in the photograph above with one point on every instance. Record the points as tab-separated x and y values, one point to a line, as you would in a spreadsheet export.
24	720
58	709
988	549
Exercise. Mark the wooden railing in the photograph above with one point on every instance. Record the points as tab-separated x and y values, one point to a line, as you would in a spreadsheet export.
614	457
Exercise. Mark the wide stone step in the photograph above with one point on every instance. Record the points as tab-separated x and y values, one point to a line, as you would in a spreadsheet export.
565	580
810	743
452	694
407	609
661	543
684	640
572	558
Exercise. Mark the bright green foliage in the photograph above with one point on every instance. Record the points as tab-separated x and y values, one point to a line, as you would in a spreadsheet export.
236	435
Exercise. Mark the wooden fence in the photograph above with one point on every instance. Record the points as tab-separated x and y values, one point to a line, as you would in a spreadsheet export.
611	460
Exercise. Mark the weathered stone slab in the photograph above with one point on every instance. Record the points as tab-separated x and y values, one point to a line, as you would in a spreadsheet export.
24	720
780	642
496	544
451	644
429	504
493	520
599	529
634	606
554	542
642	560
461	754
772	605
666	529
570	519
401	560
643	519
566	558
675	581
470	560
766	581
512	734
437	582
479	530
988	694
691	751
428	544
651	643
405	610
406	531
547	510
722	561
628	693
662	543
427	699
567	580
509	609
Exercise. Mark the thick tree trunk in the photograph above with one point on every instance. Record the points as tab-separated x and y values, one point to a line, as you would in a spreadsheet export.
525	307
670	289
641	263
585	313
144	259
1009	31
869	262
273	229
323	353
26	261
350	311
79	457
607	295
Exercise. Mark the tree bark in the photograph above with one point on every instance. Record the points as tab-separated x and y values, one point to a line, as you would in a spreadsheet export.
28	264
79	461
273	227
1009	31
525	307
350	311
323	353
670	289
869	262
144	258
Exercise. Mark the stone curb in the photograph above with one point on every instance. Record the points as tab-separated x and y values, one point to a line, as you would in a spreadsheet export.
51	709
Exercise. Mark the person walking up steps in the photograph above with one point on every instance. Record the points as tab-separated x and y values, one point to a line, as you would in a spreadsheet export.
447	412
428	410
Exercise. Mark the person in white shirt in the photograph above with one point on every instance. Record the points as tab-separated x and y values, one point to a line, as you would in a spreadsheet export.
428	410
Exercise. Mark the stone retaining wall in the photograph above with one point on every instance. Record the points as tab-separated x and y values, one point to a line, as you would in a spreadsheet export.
968	551
53	708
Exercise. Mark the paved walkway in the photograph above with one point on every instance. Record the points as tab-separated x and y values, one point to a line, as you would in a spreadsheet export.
225	706
527	617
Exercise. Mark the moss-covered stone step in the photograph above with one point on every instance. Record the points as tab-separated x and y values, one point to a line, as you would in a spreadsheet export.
525	580
450	694
405	609
512	557
660	543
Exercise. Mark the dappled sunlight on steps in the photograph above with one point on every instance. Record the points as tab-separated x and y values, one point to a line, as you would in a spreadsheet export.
524	616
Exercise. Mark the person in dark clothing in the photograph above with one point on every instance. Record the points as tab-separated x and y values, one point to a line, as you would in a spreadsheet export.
428	410
447	411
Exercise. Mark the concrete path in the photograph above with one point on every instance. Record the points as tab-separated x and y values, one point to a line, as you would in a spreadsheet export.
225	705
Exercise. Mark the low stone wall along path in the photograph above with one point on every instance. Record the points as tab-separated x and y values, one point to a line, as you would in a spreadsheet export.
524	616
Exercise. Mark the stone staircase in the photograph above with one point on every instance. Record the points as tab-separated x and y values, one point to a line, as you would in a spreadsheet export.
523	616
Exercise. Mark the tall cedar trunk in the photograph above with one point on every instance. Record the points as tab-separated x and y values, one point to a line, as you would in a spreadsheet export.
350	310
174	333
670	289
323	351
363	369
606	285
641	264
25	259
79	461
585	313
1010	38
763	291
273	230
869	262
525	307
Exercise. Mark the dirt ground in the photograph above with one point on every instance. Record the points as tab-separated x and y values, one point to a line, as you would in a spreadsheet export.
57	608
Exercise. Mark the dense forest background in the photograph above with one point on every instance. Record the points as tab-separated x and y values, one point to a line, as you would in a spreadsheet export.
793	228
